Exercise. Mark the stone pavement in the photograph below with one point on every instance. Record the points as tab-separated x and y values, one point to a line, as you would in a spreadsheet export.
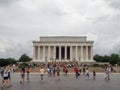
65	83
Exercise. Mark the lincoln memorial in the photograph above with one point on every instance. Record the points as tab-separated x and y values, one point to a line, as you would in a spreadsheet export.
63	49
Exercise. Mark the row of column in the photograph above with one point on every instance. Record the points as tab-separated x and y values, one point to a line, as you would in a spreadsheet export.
36	53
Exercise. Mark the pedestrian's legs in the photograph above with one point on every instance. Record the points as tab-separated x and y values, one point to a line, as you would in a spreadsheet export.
9	81
5	83
94	77
28	76
41	76
23	76
108	76
87	75
76	75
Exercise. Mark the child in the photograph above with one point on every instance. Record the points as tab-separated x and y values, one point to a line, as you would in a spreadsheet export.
58	73
94	74
54	71
22	75
28	74
66	71
42	72
87	74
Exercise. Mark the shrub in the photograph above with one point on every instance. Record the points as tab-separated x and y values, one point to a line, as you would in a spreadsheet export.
96	65
118	63
23	65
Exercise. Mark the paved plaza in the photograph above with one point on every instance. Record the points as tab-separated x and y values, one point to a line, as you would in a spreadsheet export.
65	83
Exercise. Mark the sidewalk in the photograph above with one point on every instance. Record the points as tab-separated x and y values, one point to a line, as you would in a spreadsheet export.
65	83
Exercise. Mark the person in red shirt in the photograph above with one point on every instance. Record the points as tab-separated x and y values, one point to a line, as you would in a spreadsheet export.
76	70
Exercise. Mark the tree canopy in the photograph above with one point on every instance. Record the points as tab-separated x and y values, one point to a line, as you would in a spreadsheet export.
24	58
112	59
5	62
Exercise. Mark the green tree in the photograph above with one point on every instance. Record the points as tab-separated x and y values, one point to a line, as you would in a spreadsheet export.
3	62
24	58
114	58
11	60
118	63
8	61
97	58
23	65
105	58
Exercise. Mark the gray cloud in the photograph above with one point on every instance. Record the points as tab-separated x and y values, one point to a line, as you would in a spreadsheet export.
22	21
7	2
114	3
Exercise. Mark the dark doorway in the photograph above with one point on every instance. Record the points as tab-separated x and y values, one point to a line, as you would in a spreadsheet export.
57	52
68	52
62	52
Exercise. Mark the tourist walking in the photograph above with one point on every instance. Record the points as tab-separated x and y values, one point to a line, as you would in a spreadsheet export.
42	72
87	74
22	75
28	74
5	78
107	72
94	74
83	70
9	77
2	73
58	73
54	71
66	71
76	70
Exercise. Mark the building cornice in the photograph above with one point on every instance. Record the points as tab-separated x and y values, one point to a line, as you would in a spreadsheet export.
63	41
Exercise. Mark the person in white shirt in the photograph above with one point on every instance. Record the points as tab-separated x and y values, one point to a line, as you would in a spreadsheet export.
87	73
108	71
28	74
42	72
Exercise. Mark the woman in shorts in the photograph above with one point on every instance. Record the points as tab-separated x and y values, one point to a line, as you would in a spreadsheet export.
5	77
22	75
58	73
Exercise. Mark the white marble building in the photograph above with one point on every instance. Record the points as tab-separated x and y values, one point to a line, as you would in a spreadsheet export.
63	48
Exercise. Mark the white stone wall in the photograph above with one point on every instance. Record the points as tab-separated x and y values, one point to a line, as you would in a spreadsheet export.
81	50
62	39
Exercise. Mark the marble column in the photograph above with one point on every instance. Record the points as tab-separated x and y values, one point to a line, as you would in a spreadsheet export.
38	54
44	53
76	53
81	52
86	52
59	53
71	53
91	52
54	53
49	52
65	52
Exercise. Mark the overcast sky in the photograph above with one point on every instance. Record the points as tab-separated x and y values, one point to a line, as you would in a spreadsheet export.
22	21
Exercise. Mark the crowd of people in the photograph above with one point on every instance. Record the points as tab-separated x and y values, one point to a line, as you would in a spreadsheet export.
52	70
